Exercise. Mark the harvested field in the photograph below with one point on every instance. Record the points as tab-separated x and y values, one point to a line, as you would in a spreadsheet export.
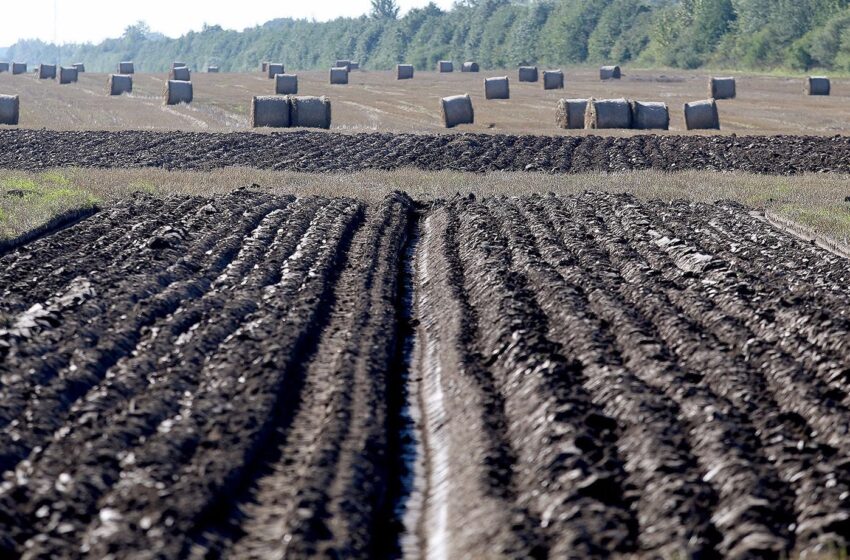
538	376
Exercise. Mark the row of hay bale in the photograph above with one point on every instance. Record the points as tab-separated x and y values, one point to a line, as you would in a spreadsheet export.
178	87
290	111
629	114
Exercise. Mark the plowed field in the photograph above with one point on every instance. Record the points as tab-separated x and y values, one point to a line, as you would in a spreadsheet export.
255	376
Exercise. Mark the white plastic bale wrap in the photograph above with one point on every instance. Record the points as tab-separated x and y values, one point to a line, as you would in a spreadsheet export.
271	111
702	115
126	68
120	83
456	110
273	69
177	91
570	113
19	68
650	115
180	73
609	73
286	84
722	88
4	66
404	71
608	113
10	107
818	85
553	79
339	75
46	71
79	66
528	73
497	88
310	112
445	66
67	75
470	66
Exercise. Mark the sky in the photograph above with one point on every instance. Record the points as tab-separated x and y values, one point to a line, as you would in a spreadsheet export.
80	21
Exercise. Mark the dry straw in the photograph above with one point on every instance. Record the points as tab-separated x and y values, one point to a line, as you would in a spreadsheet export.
286	84
404	71
177	91
650	115
528	73
702	115
553	79
120	83
608	113
497	88
570	113
457	110
609	73
10	108
311	112
271	111
722	88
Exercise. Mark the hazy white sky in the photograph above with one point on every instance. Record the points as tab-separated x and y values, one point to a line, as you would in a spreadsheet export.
94	20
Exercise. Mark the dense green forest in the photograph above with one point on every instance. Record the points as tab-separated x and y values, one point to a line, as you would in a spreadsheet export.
745	34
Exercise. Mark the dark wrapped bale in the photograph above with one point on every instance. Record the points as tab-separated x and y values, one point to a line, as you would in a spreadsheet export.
273	69
80	67
608	113
46	71
181	73
721	88
126	68
120	83
553	79
609	73
4	66
343	64
354	65
445	66
497	88
702	115
470	66
570	113
528	73
178	65
264	67
10	109
271	111
457	110
19	68
339	76
177	91
404	71
650	115
818	85
286	84
310	112
212	69
67	75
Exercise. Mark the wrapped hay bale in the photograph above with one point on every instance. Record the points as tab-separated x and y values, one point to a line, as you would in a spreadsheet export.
67	74
212	69
818	85
120	83
126	68
570	113
650	115
470	66
310	112
404	71
10	108
339	75
4	66
702	115
528	73
270	110
46	71
19	68
177	91
609	73
273	69
354	65
608	113
80	67
181	73
721	88
553	79
497	88
457	110
264	67
286	84
178	65
445	66
343	64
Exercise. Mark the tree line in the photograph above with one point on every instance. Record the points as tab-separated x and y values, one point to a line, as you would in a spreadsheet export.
735	34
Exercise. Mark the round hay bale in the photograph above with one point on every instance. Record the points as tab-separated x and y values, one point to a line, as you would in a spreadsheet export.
273	69
178	65
10	109
553	79
126	68
445	66
650	115
80	67
608	113
46	71
528	73
19	68
497	88
404	71
181	73
120	83
456	110
470	66
343	64
67	74
264	67
353	65
286	84
177	91
702	115
721	88
339	76
4	66
270	110
818	85
570	113
212	69
310	112
609	73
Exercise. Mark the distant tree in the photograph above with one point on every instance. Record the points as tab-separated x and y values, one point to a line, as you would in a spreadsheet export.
384	9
